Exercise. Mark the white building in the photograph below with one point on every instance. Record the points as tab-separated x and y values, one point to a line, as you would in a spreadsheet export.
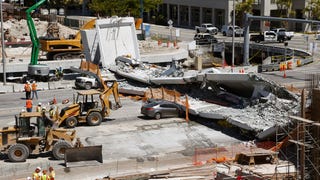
189	13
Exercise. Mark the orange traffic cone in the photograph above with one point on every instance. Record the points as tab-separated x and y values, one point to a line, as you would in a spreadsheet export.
159	42
284	74
224	63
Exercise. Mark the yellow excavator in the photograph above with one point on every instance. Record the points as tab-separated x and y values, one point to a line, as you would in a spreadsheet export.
85	109
58	48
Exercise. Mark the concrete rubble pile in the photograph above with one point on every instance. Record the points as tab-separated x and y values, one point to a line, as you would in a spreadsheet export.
19	29
257	115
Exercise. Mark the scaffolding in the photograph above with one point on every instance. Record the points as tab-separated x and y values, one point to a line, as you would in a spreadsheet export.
304	133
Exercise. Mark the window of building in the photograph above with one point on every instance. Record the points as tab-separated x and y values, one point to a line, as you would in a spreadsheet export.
173	9
219	19
195	16
184	15
207	15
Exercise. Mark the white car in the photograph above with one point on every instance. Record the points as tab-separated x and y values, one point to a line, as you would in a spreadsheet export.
227	30
86	82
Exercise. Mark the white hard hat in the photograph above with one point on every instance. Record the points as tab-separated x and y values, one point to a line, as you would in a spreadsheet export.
39	168
39	103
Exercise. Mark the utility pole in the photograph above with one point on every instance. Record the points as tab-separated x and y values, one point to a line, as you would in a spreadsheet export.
141	16
233	25
2	45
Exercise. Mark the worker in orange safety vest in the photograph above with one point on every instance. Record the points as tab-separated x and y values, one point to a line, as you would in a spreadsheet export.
27	89
29	105
34	89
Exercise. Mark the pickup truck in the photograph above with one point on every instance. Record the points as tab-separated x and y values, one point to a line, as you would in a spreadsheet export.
86	82
282	32
204	38
207	28
267	36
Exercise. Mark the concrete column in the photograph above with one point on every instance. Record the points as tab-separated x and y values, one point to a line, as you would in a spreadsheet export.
168	12
198	63
212	17
200	14
189	16
265	11
228	16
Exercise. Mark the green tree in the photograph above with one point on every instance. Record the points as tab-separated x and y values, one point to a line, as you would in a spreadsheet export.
285	10
313	9
241	9
122	8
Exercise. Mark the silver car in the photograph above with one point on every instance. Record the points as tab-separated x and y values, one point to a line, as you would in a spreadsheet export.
160	109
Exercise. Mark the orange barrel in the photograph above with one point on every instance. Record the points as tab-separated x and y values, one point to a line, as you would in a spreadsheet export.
284	66
298	62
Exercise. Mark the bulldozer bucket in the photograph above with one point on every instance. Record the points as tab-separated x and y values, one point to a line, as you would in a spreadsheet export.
83	156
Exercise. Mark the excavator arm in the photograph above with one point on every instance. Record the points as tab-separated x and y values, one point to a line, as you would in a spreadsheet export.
104	97
89	68
33	33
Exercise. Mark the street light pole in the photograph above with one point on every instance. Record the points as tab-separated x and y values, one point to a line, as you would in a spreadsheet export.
233	25
2	45
141	16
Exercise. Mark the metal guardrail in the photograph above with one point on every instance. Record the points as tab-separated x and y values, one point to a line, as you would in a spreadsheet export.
276	66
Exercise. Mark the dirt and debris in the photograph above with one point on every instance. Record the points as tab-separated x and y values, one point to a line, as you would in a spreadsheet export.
18	28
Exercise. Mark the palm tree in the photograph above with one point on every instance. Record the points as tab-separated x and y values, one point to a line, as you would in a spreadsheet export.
241	9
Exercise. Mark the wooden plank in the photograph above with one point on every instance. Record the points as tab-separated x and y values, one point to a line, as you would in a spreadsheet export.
300	143
301	119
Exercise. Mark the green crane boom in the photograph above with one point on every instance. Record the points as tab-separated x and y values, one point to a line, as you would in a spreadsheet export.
36	70
33	33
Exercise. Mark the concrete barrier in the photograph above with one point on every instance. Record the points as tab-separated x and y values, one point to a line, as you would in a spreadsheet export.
18	87
60	85
43	86
6	88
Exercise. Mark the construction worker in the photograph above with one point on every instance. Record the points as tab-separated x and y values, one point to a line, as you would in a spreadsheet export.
39	108
37	174
27	89
52	112
44	175
29	105
34	89
52	174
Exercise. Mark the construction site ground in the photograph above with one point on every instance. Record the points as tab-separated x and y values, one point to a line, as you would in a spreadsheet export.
131	144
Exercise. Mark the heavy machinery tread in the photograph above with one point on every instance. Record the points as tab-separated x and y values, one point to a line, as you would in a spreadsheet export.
58	149
94	118
71	122
18	152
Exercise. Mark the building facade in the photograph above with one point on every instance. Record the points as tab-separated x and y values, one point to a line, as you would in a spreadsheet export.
190	13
